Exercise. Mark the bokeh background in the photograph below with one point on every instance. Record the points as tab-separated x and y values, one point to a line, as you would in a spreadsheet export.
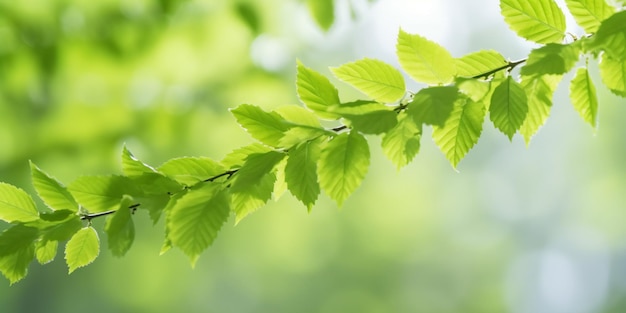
516	229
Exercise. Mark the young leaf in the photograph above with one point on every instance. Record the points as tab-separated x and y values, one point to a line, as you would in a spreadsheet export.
246	201
583	95
120	229
280	186
46	251
461	131
478	90
509	107
237	157
59	225
402	143
590	13
424	60
54	194
551	59
299	134
298	116
131	166
433	105
196	219
343	163
613	73
323	11
478	63
376	79
191	170
315	91
266	127
301	172
16	205
539	91
101	193
611	37
82	249
367	117
541	21
17	250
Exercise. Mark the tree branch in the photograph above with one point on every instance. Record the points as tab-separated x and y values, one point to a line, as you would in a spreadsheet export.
510	66
90	216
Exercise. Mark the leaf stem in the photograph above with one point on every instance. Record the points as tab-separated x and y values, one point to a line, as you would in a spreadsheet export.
510	66
90	216
227	173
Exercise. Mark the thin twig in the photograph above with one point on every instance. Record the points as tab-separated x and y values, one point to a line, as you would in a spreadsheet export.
511	65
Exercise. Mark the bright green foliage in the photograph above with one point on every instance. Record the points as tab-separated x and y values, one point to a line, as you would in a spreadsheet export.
343	164
323	12
432	106
539	90
298	116
237	157
424	60
461	131
298	134
196	218
402	143
583	95
509	107
301	172
46	251
613	74
315	91
376	79
16	251
58	225
478	90
120	229
541	21
551	59
478	63
589	13
191	170
367	117
101	193
265	127
16	205
131	166
82	249
611	37
51	191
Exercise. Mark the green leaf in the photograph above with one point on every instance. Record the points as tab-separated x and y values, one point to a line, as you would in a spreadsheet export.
613	73
120	229
191	170
298	116
589	13
58	226
583	95
54	194
367	117
17	237
461	131
541	21
46	251
509	107
254	183
301	172
82	249
539	91
424	60
266	127
16	205
315	91
196	219
478	63
131	166
433	105
402	143
478	90
611	37
238	157
101	193
280	186
299	134
343	163
551	59
323	12
17	250
376	79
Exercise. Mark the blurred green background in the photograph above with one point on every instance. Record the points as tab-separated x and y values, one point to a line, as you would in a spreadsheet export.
538	229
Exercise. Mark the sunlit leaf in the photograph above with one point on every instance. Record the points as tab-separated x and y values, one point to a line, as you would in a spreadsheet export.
323	12
237	157
541	21
16	205
298	134
315	91
59	225
54	194
433	105
17	251
280	186
461	130
424	60
82	249
611	37
509	107
367	117
120	229
539	91
297	115
131	166
46	251
343	163
402	143
266	127
590	13
551	59
376	79
301	172
191	170
613	73
583	95
101	193
479	63
196	219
